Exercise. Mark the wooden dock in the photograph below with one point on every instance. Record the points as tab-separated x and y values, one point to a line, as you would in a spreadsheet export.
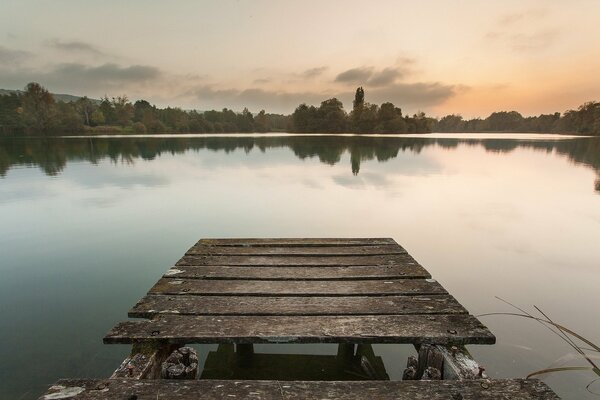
354	292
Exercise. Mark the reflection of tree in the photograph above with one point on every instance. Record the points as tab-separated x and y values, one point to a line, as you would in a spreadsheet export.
52	154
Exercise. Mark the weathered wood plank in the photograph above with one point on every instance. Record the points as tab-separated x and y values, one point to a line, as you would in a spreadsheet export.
172	286
300	251
302	261
113	389
149	306
417	329
296	242
412	270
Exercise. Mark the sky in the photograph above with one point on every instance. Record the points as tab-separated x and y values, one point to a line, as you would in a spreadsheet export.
441	57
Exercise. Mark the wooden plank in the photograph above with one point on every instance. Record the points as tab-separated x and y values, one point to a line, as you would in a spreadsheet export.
113	389
417	329
407	287
302	251
413	270
302	261
149	306
297	242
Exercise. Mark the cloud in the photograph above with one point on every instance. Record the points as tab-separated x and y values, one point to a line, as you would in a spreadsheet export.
355	75
367	75
75	47
254	98
523	32
313	72
413	96
385	77
409	96
534	41
111	73
526	42
516	18
80	78
13	56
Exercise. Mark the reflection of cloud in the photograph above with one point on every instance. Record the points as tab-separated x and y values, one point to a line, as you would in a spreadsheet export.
348	181
75	47
99	202
125	178
362	180
24	193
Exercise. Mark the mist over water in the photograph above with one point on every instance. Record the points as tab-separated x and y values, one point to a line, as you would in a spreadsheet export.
89	225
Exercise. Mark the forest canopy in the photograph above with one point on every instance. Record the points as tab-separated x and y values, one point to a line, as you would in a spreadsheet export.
36	111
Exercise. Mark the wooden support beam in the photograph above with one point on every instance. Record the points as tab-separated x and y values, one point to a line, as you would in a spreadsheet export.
442	362
458	363
145	360
345	352
182	363
244	352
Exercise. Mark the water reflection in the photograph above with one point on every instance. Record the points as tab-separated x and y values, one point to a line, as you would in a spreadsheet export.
350	363
53	154
85	239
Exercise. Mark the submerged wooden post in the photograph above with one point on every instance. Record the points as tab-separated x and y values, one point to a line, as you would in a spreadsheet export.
442	362
345	352
145	360
181	364
244	354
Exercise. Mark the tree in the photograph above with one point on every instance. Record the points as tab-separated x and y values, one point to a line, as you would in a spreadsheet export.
123	110
245	121
359	99
108	111
357	108
97	118
367	119
68	118
38	108
86	107
261	124
332	117
10	113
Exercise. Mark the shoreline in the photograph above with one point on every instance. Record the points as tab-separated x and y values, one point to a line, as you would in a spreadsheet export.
433	135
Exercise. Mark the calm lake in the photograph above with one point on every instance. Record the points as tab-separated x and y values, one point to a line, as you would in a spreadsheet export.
90	224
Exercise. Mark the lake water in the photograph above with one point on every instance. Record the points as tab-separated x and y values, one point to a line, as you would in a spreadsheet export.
88	225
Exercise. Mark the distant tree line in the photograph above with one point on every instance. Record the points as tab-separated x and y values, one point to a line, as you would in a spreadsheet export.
585	120
364	118
36	111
